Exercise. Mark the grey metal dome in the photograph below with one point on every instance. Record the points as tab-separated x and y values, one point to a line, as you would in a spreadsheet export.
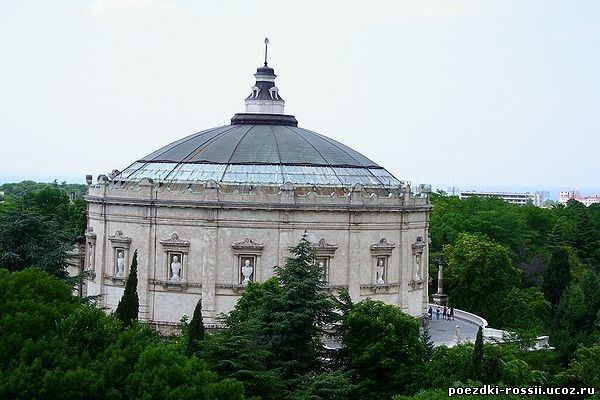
261	146
260	154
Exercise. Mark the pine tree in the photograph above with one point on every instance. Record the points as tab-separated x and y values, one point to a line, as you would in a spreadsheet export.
294	321
196	330
128	308
273	337
478	355
556	237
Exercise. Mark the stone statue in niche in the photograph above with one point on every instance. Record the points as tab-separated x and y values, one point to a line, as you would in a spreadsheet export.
247	270
418	278
322	269
90	250
175	269
380	271
120	264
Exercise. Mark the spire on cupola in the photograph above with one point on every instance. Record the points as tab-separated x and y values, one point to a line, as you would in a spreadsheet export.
265	98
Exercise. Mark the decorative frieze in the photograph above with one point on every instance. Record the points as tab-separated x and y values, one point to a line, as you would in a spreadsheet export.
247	246
119	239
288	196
323	249
174	243
382	248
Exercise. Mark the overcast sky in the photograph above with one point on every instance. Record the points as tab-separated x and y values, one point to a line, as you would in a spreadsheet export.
493	94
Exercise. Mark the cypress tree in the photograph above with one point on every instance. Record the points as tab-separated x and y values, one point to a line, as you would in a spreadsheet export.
128	308
478	355
196	330
586	239
557	276
425	337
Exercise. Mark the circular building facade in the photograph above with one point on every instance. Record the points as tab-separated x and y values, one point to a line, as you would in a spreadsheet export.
220	208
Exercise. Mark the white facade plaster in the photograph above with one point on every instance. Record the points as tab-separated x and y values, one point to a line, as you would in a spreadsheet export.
208	223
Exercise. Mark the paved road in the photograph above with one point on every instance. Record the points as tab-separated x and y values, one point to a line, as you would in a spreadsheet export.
442	331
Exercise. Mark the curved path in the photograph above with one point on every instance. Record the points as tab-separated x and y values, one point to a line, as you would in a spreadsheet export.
442	332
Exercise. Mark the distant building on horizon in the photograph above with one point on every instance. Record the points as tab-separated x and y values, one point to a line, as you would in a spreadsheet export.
587	201
537	199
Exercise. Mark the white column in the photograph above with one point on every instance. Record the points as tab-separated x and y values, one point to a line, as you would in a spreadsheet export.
209	266
354	264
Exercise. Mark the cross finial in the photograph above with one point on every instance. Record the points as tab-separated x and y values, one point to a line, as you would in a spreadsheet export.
266	44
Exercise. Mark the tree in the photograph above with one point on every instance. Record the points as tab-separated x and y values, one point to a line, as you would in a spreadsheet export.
273	335
49	200
590	284
329	385
570	321
557	276
77	217
163	372
533	269
587	240
31	305
442	394
239	352
449	365
479	273
293	321
28	240
524	310
195	330
478	355
89	329
119	358
383	350
427	343
128	308
585	365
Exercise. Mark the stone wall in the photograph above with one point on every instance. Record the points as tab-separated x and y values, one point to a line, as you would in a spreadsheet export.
212	230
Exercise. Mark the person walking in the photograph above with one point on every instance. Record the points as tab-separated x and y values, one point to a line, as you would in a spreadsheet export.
437	313
430	312
445	313
451	315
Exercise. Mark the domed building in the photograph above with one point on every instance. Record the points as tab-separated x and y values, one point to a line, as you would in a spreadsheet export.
217	209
